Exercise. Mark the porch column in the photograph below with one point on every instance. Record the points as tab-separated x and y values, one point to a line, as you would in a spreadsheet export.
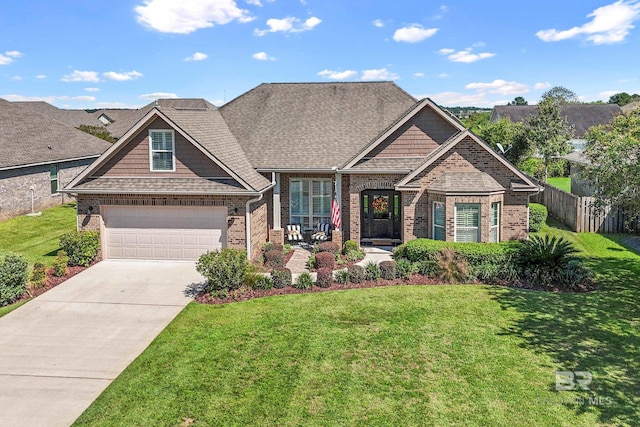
277	222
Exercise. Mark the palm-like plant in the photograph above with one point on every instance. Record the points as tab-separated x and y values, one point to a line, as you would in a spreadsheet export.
548	252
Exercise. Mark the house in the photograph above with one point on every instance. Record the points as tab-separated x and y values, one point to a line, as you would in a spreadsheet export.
580	116
40	156
72	118
189	177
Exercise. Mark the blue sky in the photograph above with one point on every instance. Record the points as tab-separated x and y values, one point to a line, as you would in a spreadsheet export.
126	53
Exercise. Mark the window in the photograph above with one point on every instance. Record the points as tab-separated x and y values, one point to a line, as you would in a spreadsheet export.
161	150
53	177
438	221
467	222
310	201
495	222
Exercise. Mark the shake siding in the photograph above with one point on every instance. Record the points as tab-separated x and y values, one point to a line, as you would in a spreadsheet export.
133	159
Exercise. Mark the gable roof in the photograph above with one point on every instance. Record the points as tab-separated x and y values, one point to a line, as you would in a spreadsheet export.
312	125
202	125
523	183
27	138
386	133
73	118
581	116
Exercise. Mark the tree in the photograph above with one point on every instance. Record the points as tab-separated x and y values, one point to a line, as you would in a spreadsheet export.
560	95
614	172
511	136
623	98
97	131
476	121
548	133
518	100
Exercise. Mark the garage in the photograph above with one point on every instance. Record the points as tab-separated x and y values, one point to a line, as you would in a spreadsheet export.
162	232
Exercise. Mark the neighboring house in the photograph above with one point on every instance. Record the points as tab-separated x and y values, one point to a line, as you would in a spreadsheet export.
580	116
40	156
189	177
577	162
73	118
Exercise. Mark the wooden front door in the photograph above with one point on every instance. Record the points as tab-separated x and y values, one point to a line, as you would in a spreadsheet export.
380	214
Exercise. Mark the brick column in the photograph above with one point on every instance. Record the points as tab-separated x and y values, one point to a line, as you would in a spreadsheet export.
277	236
336	237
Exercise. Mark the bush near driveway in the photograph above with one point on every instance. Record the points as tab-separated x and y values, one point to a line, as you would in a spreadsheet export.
224	269
81	247
13	278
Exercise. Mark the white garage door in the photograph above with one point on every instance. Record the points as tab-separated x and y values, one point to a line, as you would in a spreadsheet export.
163	232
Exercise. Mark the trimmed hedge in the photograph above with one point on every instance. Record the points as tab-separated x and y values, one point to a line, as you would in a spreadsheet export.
357	273
325	277
332	247
427	250
81	246
274	258
225	269
537	216
325	260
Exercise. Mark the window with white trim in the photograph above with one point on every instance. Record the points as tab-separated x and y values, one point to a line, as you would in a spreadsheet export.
439	215
495	222
467	222
53	178
162	150
310	201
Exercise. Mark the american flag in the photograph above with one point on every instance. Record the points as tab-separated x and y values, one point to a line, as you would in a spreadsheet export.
335	212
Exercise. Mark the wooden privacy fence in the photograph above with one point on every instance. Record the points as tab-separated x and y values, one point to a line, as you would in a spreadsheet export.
580	214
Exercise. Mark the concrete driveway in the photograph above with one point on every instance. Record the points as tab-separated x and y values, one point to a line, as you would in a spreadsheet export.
59	351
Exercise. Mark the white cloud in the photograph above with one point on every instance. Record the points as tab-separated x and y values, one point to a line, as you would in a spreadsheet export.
81	76
92	89
263	56
418	74
254	3
379	74
443	75
41	76
542	85
378	23
465	56
158	95
116	105
187	16
608	94
501	87
218	102
610	24
122	77
84	98
452	99
338	75
198	56
19	98
413	33
16	78
288	25
9	56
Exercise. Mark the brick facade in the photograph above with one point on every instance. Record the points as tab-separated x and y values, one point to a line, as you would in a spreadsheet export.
15	184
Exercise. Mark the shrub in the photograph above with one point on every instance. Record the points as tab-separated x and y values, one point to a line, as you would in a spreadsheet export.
349	246
274	258
427	267
261	282
325	260
223	269
304	281
537	216
357	273
281	278
388	270
542	259
13	278
450	269
354	255
38	275
325	277
270	246
372	271
404	268
311	262
332	247
474	253
60	264
574	275
342	276
81	246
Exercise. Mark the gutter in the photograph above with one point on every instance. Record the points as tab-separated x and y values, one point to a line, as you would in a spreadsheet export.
164	192
247	213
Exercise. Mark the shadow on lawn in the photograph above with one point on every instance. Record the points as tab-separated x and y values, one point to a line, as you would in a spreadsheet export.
598	332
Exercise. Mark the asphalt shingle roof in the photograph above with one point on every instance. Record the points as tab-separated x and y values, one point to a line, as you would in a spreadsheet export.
465	182
154	185
27	137
312	125
581	116
73	118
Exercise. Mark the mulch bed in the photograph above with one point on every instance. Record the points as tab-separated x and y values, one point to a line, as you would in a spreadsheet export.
52	282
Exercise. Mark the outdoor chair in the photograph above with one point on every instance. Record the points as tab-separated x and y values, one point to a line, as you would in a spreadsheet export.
294	233
323	232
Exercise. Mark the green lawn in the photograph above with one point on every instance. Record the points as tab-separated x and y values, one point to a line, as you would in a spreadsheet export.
561	183
37	238
407	355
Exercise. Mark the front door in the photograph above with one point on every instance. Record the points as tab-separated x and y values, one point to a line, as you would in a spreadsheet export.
380	213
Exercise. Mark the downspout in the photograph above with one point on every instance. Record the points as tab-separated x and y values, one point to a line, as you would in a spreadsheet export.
247	213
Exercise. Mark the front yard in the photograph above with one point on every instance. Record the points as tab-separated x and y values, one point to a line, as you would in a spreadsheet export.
408	355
